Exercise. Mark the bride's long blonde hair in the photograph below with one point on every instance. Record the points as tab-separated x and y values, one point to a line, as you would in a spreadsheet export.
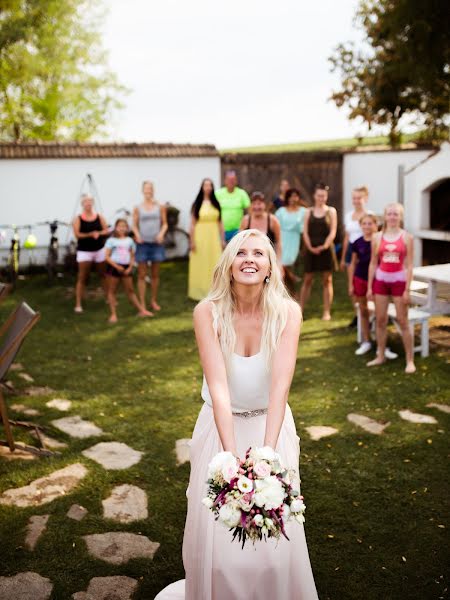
275	299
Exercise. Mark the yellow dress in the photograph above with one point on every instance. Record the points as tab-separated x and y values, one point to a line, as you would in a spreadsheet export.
208	249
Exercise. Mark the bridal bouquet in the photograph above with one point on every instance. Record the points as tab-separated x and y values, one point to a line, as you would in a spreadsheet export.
254	496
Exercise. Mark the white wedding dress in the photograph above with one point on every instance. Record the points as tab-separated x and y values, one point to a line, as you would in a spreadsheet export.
217	568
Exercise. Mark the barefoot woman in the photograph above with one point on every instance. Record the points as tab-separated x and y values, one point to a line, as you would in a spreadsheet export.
390	274
247	332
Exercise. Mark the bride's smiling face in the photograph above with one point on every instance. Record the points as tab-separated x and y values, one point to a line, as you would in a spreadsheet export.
251	265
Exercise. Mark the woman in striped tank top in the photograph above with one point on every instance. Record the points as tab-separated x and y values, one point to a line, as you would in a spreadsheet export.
390	274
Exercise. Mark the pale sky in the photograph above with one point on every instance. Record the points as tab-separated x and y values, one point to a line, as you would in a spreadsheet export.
234	73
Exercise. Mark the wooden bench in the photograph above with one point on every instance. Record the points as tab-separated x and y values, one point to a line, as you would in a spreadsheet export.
416	316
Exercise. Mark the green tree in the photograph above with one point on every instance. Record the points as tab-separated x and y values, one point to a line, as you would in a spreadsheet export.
54	82
402	75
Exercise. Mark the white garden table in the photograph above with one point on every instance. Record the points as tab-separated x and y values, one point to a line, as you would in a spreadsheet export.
433	275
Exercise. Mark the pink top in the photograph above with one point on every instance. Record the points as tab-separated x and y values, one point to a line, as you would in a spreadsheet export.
391	258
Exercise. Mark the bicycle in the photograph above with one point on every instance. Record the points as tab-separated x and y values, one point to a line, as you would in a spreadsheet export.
176	241
53	248
13	260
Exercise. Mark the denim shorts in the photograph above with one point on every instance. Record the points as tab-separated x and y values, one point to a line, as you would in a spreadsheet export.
150	252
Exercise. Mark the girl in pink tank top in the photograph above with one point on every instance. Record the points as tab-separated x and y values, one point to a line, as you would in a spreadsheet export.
390	275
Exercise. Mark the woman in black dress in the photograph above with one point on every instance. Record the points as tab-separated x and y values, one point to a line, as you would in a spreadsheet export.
319	231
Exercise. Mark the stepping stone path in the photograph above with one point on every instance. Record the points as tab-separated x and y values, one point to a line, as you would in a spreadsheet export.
26	377
60	404
16	367
182	451
49	442
442	407
44	490
18	454
113	455
21	408
35	528
109	588
25	586
413	417
368	424
38	391
319	431
77	427
76	512
126	504
117	548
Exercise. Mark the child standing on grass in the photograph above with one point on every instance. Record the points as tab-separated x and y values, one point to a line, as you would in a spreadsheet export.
120	255
358	273
390	274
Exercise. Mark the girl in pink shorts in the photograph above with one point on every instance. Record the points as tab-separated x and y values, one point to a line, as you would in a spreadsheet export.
390	275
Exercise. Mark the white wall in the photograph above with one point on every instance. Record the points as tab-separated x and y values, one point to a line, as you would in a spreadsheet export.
418	183
33	190
379	172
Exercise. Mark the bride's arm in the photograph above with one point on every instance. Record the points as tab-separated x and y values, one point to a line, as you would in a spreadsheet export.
283	367
213	365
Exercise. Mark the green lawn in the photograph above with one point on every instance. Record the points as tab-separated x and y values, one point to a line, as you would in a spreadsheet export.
336	144
376	504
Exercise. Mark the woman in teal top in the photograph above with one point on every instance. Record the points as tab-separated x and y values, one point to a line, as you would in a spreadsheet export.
291	217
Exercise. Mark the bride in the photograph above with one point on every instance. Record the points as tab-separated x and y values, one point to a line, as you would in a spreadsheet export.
247	332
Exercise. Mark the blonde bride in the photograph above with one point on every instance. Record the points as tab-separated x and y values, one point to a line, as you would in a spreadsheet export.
247	332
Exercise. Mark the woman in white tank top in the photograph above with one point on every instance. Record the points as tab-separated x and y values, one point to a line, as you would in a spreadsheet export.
247	333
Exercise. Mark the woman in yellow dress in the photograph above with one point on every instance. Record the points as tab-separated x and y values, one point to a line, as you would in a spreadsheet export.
207	239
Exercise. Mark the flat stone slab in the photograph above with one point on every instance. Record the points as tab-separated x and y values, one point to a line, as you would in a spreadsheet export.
25	410
44	490
118	548
77	512
113	455
442	407
35	390
16	367
316	432
25	586
368	424
35	528
26	377
18	454
77	427
126	504
182	450
49	441
413	417
109	588
59	404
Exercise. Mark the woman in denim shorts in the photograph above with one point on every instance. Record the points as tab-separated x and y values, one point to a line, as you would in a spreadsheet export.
149	227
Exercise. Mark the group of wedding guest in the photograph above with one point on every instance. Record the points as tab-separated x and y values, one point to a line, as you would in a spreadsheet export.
114	253
378	264
298	231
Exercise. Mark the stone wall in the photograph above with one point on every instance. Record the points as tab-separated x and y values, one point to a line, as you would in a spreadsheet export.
303	170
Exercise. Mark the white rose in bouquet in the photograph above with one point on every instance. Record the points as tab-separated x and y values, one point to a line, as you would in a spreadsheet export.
208	502
230	515
269	493
297	506
264	453
258	520
224	464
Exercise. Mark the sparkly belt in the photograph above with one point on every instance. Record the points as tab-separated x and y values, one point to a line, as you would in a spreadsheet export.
251	413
